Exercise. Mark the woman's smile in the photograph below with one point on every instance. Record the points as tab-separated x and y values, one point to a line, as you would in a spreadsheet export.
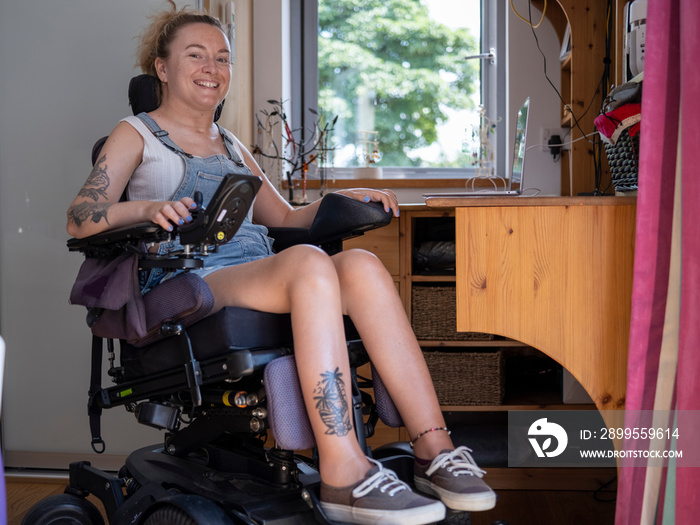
207	83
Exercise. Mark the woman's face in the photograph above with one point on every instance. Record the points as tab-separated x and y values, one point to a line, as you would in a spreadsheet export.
198	69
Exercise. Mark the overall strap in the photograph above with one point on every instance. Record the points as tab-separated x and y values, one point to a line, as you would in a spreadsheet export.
162	135
232	150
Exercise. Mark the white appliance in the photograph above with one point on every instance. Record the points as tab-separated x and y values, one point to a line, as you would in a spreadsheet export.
635	35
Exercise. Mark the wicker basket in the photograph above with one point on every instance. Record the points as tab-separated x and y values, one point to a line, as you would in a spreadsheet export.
623	159
434	315
467	378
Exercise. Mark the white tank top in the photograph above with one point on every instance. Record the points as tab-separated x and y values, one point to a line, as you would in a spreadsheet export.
161	171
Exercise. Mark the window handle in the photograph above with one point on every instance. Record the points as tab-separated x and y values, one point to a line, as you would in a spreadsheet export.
491	56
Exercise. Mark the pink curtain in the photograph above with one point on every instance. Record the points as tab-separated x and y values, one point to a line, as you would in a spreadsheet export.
664	352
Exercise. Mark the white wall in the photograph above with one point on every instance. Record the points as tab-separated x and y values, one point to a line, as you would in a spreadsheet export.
271	56
526	79
64	68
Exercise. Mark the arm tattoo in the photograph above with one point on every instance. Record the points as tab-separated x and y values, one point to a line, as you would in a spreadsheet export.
332	403
94	188
97	182
88	211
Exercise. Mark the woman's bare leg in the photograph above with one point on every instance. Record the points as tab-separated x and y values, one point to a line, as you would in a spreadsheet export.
303	280
370	298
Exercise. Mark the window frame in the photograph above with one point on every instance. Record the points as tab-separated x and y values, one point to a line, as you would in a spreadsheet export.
304	84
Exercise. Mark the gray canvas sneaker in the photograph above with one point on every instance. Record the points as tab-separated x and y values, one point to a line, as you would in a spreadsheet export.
379	498
455	478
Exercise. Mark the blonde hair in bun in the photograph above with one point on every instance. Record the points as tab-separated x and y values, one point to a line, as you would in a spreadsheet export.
156	39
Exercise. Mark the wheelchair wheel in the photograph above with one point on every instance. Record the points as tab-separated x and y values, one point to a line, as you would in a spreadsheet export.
63	509
170	515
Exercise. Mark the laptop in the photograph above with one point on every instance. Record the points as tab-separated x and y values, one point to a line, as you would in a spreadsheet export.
515	183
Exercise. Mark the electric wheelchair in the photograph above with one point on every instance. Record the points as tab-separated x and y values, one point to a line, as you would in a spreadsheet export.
218	386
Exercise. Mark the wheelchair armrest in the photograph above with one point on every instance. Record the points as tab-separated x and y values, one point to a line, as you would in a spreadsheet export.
115	240
338	218
286	237
133	239
211	226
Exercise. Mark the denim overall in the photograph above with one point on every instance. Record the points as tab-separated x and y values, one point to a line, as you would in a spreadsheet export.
204	175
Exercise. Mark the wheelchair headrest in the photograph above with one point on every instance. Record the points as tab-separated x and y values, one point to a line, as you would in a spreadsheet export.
143	95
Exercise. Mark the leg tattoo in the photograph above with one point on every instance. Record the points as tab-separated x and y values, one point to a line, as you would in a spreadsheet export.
332	404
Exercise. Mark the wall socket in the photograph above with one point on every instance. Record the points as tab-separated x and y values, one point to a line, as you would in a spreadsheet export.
547	133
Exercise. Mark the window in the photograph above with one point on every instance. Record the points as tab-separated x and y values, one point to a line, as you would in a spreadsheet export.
397	68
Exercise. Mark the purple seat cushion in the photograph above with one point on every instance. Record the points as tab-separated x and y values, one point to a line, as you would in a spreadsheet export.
184	299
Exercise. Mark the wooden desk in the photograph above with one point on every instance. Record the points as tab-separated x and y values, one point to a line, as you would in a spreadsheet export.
554	273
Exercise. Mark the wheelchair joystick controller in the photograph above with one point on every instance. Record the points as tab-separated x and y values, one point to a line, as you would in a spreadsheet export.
198	222
218	222
198	200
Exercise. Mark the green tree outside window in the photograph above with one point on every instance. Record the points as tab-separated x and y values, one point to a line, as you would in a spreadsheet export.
386	66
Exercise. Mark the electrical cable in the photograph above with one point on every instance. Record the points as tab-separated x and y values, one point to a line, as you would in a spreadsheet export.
604	80
597	494
469	184
544	10
546	76
605	88
563	143
571	175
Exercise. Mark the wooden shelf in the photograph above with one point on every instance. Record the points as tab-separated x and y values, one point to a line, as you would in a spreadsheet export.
485	344
566	63
433	278
550	400
566	121
507	407
557	479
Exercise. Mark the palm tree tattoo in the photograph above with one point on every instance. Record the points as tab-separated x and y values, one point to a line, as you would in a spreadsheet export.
332	404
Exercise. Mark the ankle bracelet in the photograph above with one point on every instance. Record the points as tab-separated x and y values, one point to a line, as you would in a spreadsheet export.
434	429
